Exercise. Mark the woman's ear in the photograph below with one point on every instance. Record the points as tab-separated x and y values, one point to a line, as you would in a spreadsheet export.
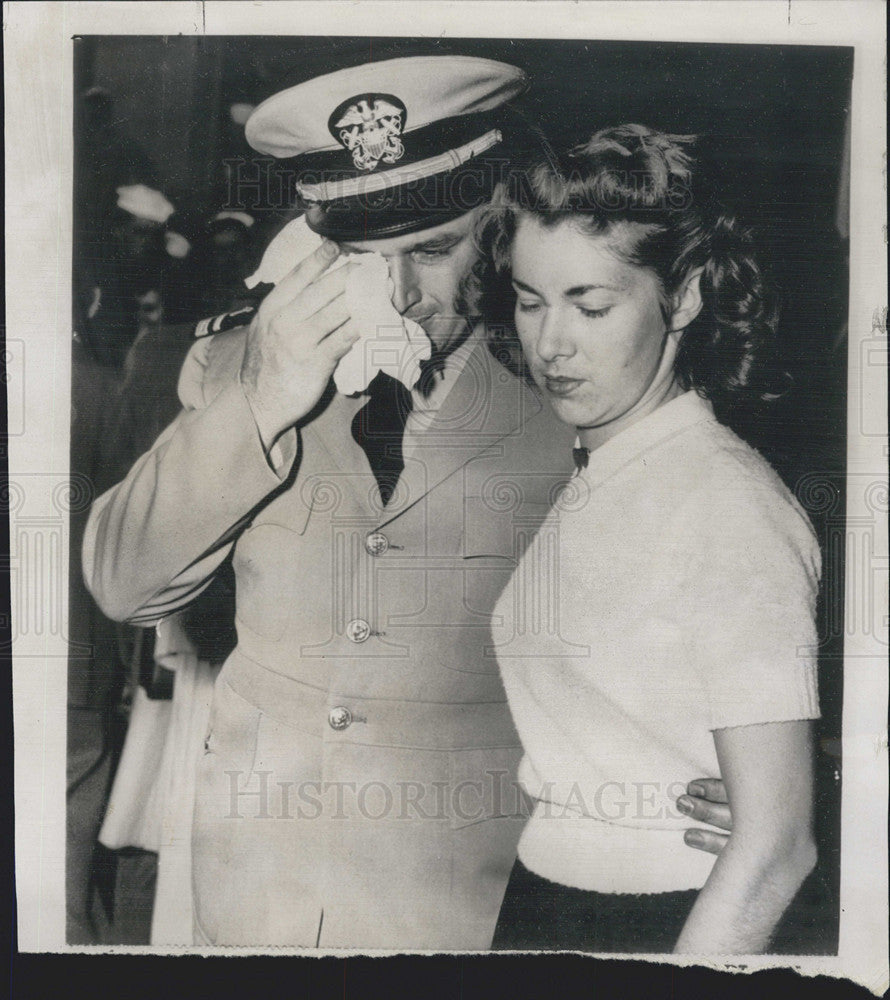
687	302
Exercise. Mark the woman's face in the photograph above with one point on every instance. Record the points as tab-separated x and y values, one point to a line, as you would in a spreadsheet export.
591	326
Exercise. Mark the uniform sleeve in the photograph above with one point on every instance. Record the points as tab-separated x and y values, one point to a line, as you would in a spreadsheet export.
153	542
751	595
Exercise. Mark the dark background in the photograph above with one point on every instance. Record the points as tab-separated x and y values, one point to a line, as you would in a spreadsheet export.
774	118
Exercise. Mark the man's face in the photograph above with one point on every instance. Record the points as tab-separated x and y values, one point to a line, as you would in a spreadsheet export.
429	270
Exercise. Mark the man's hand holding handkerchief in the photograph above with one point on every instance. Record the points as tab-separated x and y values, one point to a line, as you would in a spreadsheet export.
387	341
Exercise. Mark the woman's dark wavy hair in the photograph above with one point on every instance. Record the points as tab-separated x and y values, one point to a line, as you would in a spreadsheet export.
635	175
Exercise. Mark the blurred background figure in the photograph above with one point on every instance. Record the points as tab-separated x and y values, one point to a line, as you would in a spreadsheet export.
132	264
104	162
122	267
94	674
225	259
169	672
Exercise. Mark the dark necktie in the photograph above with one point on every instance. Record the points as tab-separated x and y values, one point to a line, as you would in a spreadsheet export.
379	426
581	457
430	370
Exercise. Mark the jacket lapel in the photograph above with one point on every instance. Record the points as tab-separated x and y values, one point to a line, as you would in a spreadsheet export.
342	457
485	404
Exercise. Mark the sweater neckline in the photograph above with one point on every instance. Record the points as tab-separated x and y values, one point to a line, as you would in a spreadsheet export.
667	421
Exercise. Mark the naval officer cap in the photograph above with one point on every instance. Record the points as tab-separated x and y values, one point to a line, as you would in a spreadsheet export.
393	147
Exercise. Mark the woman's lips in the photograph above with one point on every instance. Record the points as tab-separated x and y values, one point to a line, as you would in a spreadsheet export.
561	386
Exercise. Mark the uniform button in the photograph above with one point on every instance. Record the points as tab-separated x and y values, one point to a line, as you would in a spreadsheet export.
376	544
358	630
339	718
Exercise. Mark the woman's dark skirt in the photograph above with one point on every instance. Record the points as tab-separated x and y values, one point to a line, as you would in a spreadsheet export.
540	915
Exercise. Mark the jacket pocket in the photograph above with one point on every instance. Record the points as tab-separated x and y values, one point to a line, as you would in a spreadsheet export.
232	728
488	531
502	523
484	786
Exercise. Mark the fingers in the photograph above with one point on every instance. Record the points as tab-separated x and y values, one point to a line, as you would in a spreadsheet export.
318	294
712	789
327	320
708	841
714	813
289	326
338	343
705	801
307	271
307	306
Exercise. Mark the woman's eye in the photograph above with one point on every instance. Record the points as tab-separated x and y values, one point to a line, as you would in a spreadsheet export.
527	307
593	313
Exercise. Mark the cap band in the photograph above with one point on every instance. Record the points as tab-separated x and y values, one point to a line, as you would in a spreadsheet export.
371	183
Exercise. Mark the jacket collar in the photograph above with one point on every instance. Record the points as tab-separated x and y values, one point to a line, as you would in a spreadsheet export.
485	404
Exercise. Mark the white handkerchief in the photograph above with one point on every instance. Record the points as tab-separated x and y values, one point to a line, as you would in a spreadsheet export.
388	341
293	244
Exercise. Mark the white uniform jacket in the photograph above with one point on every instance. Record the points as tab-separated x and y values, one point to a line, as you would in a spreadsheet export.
356	785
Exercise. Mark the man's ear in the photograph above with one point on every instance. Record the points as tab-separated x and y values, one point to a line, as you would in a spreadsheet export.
686	302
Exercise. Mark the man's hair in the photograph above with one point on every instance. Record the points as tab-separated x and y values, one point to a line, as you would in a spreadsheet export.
646	187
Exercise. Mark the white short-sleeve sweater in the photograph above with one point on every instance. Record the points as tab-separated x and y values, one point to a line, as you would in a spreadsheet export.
671	592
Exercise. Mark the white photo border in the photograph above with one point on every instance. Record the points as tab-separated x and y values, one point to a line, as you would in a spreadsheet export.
39	79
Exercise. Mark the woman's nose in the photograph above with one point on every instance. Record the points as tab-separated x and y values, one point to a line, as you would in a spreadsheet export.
552	342
406	288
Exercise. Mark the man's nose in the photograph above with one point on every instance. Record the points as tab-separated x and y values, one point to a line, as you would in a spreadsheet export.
406	288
